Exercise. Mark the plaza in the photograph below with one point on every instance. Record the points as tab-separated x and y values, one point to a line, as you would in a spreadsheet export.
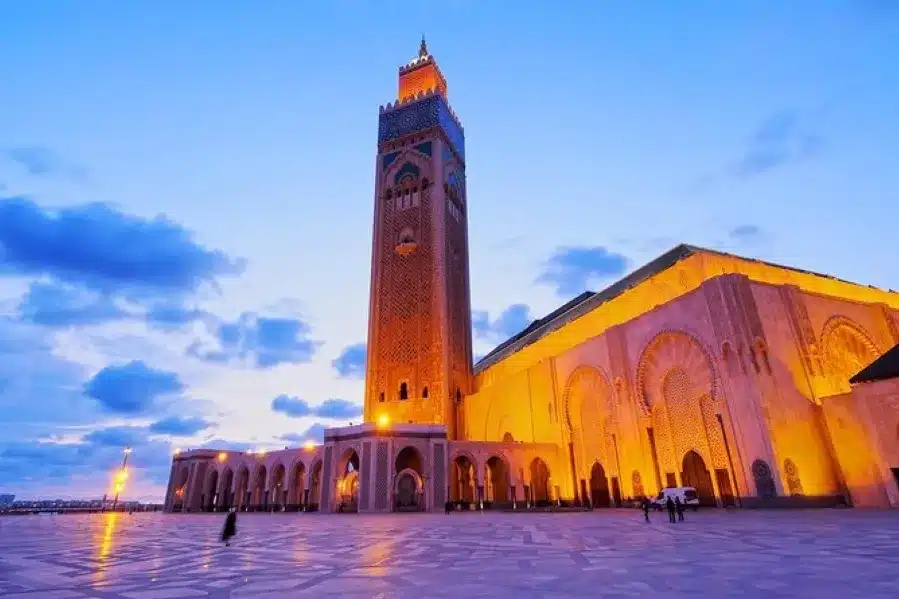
607	553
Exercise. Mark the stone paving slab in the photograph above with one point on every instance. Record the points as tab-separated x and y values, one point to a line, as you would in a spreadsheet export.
612	553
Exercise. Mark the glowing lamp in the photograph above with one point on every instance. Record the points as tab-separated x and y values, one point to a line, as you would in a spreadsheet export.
261	453
128	450
223	456
383	420
122	476
177	452
309	445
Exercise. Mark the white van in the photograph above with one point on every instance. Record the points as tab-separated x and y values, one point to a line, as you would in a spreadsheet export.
687	496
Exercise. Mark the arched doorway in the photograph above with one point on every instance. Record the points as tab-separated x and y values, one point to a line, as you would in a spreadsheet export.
497	480
278	488
179	501
259	497
695	474
764	480
210	491
599	486
464	479
296	497
348	482
242	497
408	488
225	499
315	486
539	487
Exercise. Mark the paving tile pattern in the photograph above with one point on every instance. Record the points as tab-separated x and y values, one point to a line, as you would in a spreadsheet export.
612	553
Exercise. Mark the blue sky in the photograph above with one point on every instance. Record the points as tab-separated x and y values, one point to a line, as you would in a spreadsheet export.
186	191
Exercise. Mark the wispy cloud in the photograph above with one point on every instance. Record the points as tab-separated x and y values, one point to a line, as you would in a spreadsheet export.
43	162
350	364
511	321
571	269
780	139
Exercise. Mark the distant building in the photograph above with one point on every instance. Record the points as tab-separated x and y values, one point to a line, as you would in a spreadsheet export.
6	499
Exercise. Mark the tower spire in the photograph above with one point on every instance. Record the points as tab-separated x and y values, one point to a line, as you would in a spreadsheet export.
423	48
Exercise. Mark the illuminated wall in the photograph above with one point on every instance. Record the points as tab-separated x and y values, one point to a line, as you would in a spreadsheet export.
711	356
420	78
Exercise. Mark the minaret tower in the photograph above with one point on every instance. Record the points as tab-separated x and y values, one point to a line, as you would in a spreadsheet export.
419	333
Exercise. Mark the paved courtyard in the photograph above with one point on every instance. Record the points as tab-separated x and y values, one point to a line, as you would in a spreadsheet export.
713	554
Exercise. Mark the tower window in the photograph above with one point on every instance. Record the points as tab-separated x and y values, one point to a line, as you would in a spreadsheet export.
458	396
404	391
381	397
424	393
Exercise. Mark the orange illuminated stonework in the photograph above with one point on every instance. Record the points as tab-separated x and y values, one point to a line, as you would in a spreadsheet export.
420	76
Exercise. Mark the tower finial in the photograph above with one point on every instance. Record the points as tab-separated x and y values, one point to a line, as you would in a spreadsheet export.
423	49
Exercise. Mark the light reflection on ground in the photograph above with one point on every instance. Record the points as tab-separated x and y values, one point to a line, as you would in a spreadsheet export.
821	554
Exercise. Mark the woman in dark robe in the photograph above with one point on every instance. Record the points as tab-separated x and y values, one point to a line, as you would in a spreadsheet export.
230	528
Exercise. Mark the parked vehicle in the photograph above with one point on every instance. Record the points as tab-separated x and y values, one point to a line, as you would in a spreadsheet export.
687	496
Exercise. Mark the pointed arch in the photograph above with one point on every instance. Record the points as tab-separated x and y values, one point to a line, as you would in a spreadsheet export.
846	349
590	416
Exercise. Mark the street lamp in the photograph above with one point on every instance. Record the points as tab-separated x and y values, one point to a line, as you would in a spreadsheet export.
121	477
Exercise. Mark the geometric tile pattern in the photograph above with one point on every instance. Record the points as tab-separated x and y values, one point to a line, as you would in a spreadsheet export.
608	553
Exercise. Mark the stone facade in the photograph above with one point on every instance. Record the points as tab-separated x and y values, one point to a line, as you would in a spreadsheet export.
699	369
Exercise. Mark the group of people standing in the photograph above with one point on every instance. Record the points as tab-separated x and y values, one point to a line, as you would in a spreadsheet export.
675	509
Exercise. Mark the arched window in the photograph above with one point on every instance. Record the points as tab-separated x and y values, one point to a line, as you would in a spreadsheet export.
381	397
424	393
404	391
458	396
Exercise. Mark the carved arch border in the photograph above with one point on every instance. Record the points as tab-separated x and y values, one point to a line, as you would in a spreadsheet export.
610	401
652	345
837	321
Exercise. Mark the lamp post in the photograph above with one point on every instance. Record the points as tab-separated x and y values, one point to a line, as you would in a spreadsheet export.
120	478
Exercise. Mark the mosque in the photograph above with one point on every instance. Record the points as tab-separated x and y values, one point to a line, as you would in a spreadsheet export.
757	384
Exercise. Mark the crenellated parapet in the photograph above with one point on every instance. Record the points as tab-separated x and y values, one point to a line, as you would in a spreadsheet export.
426	110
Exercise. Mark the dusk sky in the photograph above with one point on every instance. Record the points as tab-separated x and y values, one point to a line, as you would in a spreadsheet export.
186	191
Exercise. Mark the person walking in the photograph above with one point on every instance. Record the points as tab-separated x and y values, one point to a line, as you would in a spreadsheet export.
230	527
646	509
679	507
671	508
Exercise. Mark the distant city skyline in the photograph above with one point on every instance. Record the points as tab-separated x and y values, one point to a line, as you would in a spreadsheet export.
186	192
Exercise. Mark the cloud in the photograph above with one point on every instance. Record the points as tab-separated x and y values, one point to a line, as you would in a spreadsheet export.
511	321
117	436
291	406
262	342
570	269
316	433
338	409
39	388
334	408
132	388
43	162
350	364
170	316
745	233
179	427
104	250
57	305
224	444
89	460
778	140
